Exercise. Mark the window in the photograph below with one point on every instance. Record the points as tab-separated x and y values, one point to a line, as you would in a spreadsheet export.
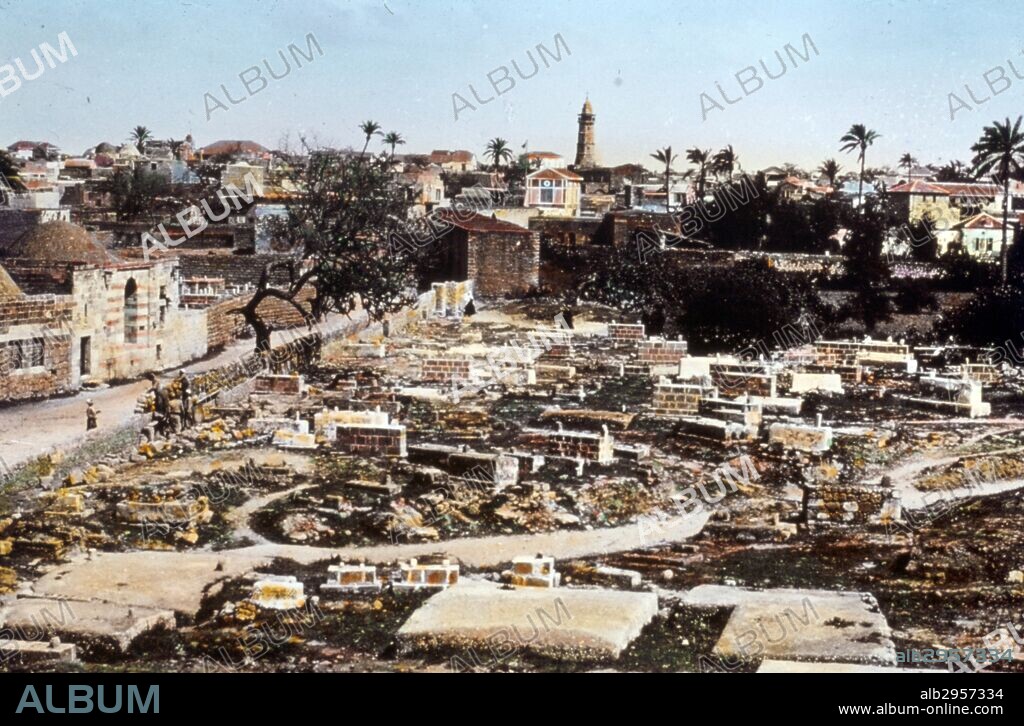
131	312
547	196
21	355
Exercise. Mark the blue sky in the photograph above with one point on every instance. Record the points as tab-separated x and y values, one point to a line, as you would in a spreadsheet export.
888	64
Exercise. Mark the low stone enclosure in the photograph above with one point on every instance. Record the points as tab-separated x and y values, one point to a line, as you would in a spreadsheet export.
420	464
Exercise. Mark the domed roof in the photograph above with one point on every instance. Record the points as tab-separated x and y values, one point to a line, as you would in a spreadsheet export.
8	288
59	242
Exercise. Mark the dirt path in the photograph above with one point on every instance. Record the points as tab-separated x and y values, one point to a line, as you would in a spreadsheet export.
239	517
30	429
498	550
905	473
181	580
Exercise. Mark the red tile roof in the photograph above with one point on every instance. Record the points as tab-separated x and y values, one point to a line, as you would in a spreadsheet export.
969	189
442	156
918	187
982	221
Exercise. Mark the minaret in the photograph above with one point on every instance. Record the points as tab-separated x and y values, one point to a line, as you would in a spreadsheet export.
586	150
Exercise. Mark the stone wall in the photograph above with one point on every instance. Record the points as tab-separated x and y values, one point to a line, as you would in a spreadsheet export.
36	318
573	444
677	399
224	327
834	504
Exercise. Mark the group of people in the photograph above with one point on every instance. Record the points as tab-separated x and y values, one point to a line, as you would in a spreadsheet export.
164	415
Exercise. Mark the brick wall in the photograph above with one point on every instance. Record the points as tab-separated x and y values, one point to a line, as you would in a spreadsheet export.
224	327
443	370
573	444
658	351
371	440
677	399
734	379
38	316
235	269
625	333
503	263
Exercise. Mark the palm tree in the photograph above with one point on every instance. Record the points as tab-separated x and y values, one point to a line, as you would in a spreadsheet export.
498	151
859	138
371	129
666	157
725	161
700	159
907	162
1000	151
140	135
830	169
393	139
954	171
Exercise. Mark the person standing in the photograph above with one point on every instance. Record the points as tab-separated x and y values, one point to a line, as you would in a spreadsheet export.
185	388
161	405
90	416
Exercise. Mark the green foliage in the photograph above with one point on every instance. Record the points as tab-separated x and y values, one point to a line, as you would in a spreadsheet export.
867	272
991	317
751	302
136	194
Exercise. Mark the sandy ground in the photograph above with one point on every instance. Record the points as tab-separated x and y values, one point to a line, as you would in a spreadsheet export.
180	580
30	429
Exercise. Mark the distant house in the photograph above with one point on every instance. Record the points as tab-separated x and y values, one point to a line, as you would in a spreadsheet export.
849	189
27	150
459	160
773	176
554	192
236	174
952	201
651	197
982	234
545	160
78	168
236	149
794	188
425	185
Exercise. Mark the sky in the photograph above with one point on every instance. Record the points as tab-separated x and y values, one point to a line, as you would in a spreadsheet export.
644	63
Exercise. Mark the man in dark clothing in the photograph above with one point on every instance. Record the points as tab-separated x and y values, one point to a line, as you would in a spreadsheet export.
161	405
90	416
186	400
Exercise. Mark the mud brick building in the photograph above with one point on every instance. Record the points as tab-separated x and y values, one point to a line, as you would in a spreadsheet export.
500	258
